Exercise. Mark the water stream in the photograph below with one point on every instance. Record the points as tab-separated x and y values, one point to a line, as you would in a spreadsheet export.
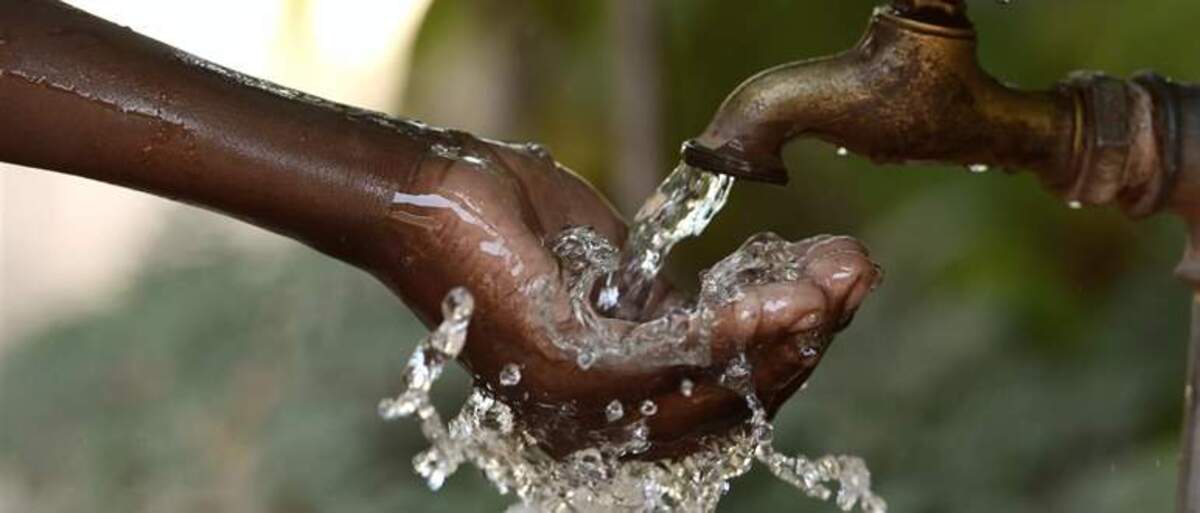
486	433
682	206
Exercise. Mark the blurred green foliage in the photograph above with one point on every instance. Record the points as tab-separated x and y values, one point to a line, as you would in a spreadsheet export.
1020	356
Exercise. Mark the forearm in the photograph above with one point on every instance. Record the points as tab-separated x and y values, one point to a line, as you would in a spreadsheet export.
86	97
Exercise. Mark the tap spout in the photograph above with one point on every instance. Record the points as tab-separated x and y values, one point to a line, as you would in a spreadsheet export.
910	90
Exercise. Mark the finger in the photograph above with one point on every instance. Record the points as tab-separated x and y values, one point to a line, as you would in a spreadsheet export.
764	313
842	268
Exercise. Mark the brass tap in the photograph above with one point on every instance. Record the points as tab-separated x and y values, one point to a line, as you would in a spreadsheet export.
912	90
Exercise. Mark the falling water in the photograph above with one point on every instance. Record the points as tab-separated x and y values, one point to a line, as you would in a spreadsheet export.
423	369
681	207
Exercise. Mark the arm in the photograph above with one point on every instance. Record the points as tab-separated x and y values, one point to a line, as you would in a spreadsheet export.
422	209
83	96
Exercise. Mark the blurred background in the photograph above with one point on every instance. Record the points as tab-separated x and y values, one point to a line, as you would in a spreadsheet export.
1020	356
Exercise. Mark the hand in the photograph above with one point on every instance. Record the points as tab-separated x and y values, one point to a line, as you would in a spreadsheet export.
424	210
481	215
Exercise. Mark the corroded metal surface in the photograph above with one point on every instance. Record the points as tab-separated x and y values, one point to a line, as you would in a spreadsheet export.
912	90
908	91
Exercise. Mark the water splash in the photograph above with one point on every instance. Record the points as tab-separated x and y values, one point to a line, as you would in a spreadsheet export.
423	369
811	477
590	480
427	361
584	257
487	434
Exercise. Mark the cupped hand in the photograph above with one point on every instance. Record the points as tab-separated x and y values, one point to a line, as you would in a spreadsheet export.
482	215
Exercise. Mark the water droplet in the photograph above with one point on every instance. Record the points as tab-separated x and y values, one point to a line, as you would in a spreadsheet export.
809	352
738	367
639	438
1075	204
585	359
686	387
510	375
475	161
978	168
387	409
537	150
614	411
842	151
443	151
648	408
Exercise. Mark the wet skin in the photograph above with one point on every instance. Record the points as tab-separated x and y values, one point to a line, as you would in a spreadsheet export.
488	227
79	95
